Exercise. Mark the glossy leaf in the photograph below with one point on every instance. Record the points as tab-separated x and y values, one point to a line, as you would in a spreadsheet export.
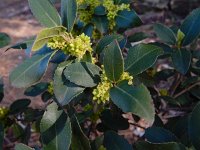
181	60
101	23
19	106
163	146
165	33
21	146
82	74
127	19
133	99
106	40
136	37
79	139
88	30
46	34
64	90
45	13
141	57
159	135
30	71
190	27
55	129
194	124
113	62
68	13
112	141
4	40
100	10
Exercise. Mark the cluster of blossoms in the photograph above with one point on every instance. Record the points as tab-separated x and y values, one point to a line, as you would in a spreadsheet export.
112	10
3	112
101	93
69	45
50	88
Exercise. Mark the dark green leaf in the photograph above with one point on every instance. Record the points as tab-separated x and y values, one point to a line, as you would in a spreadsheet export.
159	135
112	141
106	40
181	60
64	90
55	129
141	57
127	19
194	124
113	61
36	90
101	23
68	13
4	40
45	13
30	71
136	37
19	106
88	30
46	34
79	139
100	10
133	99
165	33
164	146
190	27
82	74
21	146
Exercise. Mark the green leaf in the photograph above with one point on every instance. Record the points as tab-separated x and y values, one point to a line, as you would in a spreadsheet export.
112	141
194	124
100	10
23	45
79	139
181	60
190	27
133	99
127	19
159	135
36	90
4	40
64	90
1	136
21	146
46	34
55	128
106	40
136	37
164	146
141	57
165	33
45	13
101	23
82	74
19	106
68	13
113	62
30	71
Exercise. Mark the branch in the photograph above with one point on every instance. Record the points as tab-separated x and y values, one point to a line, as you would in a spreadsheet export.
187	89
137	125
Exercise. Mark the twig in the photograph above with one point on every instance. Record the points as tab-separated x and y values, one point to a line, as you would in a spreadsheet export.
175	84
137	125
187	89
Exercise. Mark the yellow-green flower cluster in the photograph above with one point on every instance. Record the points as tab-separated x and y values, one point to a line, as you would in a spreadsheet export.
163	92
50	88
3	112
69	45
85	15
113	10
101	93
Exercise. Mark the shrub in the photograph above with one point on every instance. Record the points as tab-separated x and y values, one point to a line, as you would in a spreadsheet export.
99	71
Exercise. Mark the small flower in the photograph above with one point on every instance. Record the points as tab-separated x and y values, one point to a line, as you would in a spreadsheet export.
50	88
3	112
